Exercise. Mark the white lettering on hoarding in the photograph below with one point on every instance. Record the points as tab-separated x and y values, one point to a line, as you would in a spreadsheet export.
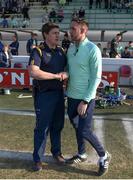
5	73
1	78
15	77
31	79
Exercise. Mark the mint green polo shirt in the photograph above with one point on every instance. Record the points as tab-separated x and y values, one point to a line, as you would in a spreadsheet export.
84	68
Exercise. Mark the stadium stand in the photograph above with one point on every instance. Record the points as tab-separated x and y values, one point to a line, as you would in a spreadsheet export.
103	25
97	18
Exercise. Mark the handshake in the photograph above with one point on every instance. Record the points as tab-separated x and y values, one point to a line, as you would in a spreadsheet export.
62	76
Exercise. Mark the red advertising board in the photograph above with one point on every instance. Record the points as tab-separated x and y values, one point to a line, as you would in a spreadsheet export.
15	78
19	78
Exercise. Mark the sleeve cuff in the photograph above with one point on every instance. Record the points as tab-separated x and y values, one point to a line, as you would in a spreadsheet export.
85	102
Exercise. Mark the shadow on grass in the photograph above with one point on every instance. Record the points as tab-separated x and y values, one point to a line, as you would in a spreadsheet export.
70	169
23	160
28	166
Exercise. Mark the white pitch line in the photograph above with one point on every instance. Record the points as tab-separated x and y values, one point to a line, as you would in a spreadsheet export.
98	128
22	96
23	155
99	131
16	112
127	119
128	125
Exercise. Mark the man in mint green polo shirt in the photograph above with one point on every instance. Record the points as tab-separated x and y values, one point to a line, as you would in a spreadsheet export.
84	68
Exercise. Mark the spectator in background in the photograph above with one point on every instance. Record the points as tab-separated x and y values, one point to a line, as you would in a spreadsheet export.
66	42
118	6
130	48
106	3
20	6
5	62
81	12
105	53
114	7
98	4
60	14
14	22
114	51
125	53
5	56
14	45
3	6
45	17
126	5
99	46
25	11
31	43
74	14
1	44
90	4
25	23
108	46
109	7
67	2
14	6
52	15
4	23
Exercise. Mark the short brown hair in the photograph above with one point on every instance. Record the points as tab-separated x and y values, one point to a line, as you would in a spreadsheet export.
46	28
80	21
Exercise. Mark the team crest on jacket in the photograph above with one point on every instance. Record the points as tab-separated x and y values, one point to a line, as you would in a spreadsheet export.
48	54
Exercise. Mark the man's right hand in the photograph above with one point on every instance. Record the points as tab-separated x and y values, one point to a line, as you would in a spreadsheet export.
61	76
64	75
58	76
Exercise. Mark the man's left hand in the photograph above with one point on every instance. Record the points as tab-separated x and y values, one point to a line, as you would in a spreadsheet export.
82	107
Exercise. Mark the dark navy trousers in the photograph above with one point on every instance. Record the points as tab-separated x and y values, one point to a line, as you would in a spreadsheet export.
49	108
82	125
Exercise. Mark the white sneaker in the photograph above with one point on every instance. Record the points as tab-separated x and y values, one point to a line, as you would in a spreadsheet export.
104	164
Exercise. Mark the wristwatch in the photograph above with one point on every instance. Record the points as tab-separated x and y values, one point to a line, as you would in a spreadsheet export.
85	102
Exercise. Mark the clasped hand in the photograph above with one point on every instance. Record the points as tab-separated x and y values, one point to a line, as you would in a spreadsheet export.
62	76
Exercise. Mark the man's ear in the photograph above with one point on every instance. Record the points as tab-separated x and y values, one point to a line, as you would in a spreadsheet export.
44	34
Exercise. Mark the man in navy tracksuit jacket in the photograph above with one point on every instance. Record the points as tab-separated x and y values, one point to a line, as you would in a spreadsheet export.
46	66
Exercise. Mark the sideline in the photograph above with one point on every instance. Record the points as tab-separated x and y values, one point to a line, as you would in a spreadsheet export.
18	112
129	132
106	116
24	155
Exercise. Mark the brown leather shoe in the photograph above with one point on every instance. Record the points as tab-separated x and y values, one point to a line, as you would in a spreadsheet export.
59	159
37	166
